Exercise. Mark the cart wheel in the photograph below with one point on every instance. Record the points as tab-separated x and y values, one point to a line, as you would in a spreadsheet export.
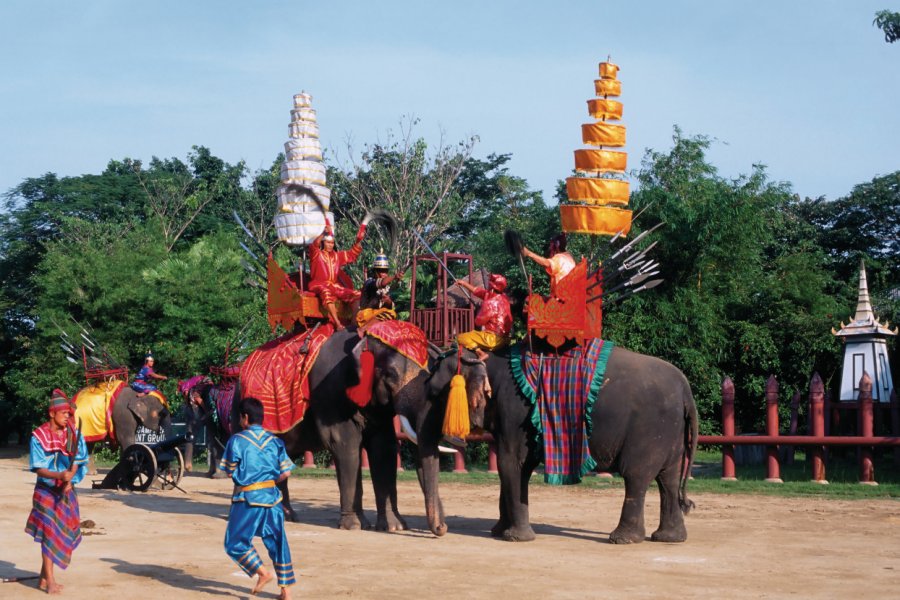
171	472
140	467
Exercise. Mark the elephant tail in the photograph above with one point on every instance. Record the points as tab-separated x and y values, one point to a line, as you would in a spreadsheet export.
691	434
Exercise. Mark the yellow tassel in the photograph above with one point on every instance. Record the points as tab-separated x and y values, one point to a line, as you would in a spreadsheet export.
456	418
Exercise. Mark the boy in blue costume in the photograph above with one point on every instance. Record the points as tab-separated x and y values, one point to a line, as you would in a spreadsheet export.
58	455
257	460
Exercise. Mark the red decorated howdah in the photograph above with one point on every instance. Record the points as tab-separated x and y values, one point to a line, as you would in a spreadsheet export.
575	312
404	337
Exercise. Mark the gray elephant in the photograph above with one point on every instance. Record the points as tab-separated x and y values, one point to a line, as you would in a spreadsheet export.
208	408
333	421
129	411
644	426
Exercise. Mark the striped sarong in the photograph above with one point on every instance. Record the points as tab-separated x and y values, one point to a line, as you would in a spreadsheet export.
55	523
562	390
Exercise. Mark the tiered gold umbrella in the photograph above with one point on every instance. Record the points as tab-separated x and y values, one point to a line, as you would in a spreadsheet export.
598	192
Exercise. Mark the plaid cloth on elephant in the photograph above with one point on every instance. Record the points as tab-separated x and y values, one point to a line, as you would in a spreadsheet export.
562	390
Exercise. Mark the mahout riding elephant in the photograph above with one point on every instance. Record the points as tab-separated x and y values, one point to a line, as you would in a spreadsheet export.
128	412
644	427
334	422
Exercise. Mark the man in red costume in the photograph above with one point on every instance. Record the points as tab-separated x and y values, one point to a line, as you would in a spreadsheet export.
494	318
327	280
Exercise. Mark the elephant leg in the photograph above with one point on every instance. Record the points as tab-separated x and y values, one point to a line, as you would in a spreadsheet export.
630	529
289	514
349	476
671	519
515	468
381	446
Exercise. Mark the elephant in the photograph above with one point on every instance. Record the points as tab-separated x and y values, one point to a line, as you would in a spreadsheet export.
129	411
333	421
208	416
644	426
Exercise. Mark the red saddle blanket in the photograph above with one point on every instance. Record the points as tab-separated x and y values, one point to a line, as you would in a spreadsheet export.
277	374
404	337
562	390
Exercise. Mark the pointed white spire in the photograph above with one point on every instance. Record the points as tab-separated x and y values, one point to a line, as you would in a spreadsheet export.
865	322
864	314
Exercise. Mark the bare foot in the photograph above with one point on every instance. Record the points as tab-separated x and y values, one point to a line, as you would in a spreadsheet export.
42	584
285	594
262	578
53	588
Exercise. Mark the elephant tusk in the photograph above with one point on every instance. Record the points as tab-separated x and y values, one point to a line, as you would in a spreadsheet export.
408	430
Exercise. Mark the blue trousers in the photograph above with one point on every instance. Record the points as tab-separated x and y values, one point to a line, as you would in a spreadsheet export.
246	522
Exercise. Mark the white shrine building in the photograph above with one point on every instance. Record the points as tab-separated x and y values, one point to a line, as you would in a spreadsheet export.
865	349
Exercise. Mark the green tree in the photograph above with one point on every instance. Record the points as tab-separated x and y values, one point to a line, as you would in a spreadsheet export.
738	299
889	23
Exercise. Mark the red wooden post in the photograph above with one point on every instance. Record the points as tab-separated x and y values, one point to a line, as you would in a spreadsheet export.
364	458
817	425
773	470
895	423
492	458
795	424
309	461
459	461
728	429
866	429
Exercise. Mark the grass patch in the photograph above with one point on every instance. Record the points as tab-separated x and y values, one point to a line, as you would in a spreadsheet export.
842	472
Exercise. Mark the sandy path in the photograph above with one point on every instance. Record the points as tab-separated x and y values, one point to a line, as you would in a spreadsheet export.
169	545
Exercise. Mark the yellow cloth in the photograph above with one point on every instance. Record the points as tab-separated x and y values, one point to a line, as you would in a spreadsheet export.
481	339
597	191
601	108
597	220
603	134
259	485
158	394
92	408
608	87
367	315
608	70
600	161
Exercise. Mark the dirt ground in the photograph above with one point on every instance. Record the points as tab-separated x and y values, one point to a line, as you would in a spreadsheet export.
169	545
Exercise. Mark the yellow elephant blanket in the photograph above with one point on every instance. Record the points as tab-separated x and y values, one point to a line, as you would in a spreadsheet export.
93	409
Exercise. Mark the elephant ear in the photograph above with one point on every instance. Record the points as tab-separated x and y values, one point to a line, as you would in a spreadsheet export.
139	409
441	374
145	413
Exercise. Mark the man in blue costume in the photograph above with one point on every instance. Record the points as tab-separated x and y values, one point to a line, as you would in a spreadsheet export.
59	458
256	460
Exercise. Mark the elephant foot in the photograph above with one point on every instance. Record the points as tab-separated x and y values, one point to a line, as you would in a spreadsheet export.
216	474
671	534
289	514
498	528
353	522
391	523
517	534
621	535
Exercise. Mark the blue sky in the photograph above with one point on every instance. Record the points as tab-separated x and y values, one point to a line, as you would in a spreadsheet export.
808	88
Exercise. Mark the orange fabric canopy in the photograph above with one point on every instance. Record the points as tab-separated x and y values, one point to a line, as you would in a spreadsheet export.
597	191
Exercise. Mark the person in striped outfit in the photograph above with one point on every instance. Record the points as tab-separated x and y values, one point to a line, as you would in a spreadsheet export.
256	460
58	455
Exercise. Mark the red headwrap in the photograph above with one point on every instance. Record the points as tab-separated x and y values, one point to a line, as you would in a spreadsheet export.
59	401
497	282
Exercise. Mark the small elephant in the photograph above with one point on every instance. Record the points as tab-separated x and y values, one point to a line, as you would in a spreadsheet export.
644	426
